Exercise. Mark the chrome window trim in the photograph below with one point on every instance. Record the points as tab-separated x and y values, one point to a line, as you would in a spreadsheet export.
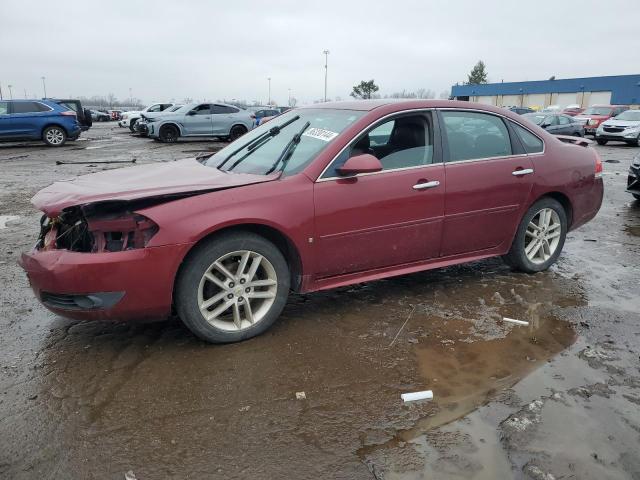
432	109
412	110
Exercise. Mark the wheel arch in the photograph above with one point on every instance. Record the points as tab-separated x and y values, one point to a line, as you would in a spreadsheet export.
170	123
53	124
239	124
563	200
286	246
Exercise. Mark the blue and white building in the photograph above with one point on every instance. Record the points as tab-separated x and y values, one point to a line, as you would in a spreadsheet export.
614	90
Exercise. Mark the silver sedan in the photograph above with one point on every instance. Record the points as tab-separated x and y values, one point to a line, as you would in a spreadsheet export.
201	120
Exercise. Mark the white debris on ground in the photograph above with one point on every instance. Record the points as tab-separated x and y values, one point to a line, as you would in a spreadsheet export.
130	475
415	396
4	219
301	396
513	320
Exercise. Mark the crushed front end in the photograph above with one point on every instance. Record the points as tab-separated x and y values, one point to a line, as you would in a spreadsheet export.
94	262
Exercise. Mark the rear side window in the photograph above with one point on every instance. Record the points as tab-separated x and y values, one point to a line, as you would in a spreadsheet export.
4	108
220	109
29	107
472	135
530	142
564	121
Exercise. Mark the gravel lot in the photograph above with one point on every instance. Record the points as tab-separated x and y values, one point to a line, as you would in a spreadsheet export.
557	399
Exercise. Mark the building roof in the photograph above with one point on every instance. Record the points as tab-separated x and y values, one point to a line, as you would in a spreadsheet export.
625	89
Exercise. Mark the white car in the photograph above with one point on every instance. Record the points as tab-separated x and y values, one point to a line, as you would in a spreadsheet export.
624	127
129	119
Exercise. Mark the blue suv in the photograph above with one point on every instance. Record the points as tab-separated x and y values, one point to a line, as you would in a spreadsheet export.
37	120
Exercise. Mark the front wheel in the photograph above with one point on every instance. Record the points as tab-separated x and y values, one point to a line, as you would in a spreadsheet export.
232	287
169	134
601	142
236	132
540	237
54	136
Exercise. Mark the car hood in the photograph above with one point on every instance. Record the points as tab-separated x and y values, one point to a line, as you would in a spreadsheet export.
172	179
621	123
582	116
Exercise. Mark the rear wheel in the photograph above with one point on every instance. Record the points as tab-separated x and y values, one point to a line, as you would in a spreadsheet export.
601	141
232	287
54	136
132	125
540	237
636	142
169	134
236	132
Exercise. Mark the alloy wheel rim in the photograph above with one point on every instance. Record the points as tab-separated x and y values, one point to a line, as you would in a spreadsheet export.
55	136
542	236
237	290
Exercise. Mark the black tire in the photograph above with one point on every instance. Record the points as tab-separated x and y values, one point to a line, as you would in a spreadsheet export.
132	125
236	132
636	142
601	141
200	260
577	134
169	134
54	136
636	196
517	257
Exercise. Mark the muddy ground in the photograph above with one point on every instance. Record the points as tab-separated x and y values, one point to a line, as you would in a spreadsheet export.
557	399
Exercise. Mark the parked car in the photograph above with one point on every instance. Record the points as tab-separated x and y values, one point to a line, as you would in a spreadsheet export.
141	126
573	110
130	118
551	109
115	114
37	120
592	117
82	114
556	123
324	196
633	180
521	110
624	127
260	113
200	120
98	116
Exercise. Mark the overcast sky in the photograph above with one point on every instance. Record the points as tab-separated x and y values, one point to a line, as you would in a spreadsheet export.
168	49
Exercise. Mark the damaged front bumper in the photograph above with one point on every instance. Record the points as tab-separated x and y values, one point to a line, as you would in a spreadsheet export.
131	284
633	179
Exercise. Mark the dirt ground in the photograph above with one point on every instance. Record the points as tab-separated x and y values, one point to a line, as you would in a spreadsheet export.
557	399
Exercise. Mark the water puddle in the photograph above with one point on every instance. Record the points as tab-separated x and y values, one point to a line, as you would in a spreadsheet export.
4	219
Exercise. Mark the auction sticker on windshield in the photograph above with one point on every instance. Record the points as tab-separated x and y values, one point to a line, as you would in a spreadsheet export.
320	134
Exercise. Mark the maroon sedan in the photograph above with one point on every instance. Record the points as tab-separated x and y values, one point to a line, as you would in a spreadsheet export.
320	197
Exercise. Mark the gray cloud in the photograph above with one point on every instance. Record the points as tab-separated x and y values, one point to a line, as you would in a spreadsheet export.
201	49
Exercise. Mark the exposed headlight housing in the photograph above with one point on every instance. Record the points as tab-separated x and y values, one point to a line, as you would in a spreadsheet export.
592	122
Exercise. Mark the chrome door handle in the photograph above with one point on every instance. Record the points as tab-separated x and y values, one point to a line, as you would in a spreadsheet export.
524	171
422	186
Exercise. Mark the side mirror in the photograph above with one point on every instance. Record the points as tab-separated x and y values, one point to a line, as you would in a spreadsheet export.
363	163
545	125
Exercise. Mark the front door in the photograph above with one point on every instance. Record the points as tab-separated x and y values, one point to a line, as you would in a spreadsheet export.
488	183
6	128
386	218
198	120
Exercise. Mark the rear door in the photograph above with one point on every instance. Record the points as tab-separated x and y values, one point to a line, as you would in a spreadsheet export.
488	178
222	118
198	120
386	218
29	118
565	126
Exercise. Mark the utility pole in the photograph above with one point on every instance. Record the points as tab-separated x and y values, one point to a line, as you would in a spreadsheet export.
10	92
44	87
1	91
326	69
25	93
289	97
130	97
269	102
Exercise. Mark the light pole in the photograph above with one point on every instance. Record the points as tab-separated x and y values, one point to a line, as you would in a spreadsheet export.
269	102
10	92
289	97
130	97
1	91
44	87
25	93
326	70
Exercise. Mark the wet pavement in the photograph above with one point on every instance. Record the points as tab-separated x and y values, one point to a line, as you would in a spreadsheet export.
559	398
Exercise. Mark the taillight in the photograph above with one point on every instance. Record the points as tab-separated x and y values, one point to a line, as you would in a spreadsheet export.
598	165
68	113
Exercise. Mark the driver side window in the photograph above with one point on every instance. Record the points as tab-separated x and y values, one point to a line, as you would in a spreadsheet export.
202	109
402	142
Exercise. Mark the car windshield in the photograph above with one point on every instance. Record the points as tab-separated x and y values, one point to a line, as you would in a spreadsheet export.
174	108
597	111
633	115
535	118
259	157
